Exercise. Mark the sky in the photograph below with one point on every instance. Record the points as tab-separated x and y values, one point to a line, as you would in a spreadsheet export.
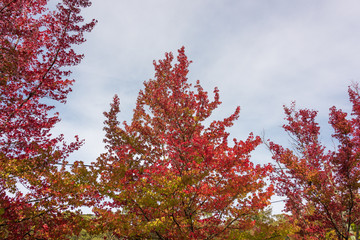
260	54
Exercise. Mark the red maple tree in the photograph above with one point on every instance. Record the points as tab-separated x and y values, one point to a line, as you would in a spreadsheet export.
35	53
321	186
168	176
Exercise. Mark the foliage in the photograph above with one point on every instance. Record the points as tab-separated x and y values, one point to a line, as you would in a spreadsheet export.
267	227
35	52
89	234
167	175
322	186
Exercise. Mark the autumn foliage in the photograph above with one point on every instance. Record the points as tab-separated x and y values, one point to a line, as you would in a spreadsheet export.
167	175
171	172
35	53
268	227
321	185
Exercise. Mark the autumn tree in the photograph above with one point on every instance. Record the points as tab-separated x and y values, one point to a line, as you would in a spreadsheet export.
321	185
35	55
168	176
268	227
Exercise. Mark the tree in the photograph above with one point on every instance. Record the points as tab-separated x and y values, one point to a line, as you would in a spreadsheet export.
166	175
322	187
35	53
267	227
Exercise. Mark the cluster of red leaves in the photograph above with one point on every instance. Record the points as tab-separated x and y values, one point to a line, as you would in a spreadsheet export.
168	175
35	51
322	186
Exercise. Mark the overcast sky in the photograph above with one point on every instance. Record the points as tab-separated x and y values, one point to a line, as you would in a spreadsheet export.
260	54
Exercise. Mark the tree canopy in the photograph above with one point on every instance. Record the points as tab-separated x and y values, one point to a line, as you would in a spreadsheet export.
168	175
35	52
321	185
171	173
